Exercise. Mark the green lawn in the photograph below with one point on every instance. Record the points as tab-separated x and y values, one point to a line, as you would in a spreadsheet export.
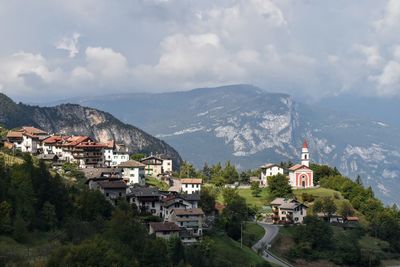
228	249
157	183
259	201
317	192
252	232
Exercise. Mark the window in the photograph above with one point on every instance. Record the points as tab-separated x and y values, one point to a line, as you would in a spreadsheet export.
107	194
296	219
152	204
283	212
120	194
305	156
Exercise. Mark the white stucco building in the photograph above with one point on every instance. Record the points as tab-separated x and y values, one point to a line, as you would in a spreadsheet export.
133	172
267	170
191	185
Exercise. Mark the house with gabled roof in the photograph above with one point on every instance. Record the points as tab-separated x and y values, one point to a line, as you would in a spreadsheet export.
287	210
133	172
26	139
191	223
191	185
165	230
268	170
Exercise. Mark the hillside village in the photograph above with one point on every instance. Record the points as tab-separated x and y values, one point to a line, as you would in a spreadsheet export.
175	204
108	168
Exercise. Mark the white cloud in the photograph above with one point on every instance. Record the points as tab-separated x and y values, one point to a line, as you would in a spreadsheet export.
391	17
69	43
292	46
16	69
106	62
373	57
389	80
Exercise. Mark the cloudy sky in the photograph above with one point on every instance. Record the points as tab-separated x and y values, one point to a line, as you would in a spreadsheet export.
58	49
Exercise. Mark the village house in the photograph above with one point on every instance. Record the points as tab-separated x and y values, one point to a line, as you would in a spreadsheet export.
164	229
154	166
288	211
147	199
83	151
174	202
191	223
166	164
133	172
54	145
115	154
268	170
26	139
191	185
93	183
193	199
113	190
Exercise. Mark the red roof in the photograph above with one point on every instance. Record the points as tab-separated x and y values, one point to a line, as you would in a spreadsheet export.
55	139
76	140
305	144
14	134
32	130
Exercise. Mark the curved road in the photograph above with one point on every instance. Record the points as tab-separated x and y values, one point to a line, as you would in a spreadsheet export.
271	232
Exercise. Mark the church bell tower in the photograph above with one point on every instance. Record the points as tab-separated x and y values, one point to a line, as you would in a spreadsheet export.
305	155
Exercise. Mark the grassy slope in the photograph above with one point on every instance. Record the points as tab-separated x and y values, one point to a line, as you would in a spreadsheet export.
252	232
35	251
9	159
227	248
259	201
157	183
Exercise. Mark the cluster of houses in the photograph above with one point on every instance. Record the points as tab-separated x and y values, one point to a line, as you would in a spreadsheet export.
109	169
82	150
300	175
178	210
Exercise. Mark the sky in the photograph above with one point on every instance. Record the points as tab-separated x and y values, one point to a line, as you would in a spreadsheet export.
53	49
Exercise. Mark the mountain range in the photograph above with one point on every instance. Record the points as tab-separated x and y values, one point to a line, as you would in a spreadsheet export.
251	126
73	119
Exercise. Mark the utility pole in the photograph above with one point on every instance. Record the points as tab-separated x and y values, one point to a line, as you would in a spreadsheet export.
241	234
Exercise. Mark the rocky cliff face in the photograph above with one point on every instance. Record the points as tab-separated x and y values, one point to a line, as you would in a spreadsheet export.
77	120
250	126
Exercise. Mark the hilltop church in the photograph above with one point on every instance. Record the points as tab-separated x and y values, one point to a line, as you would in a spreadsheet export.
300	175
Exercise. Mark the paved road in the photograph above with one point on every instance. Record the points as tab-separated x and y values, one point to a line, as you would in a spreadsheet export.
271	231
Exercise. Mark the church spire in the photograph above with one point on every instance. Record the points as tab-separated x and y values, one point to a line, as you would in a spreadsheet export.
305	155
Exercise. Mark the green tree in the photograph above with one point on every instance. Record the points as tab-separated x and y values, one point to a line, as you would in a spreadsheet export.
207	199
234	214
20	232
255	189
358	180
187	170
92	204
216	174
328	206
278	186
245	176
137	156
206	172
5	218
345	209
317	233
230	174
48	214
321	171
176	251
